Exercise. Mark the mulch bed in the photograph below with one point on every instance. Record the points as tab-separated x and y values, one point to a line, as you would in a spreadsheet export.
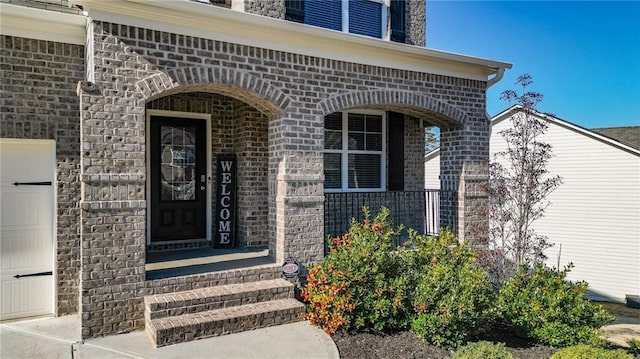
407	345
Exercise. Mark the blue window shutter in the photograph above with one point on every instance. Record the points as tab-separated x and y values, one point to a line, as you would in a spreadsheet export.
365	18
323	13
398	21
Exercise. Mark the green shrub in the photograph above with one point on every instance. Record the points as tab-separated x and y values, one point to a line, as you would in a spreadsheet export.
583	351
361	283
453	297
634	346
543	306
483	350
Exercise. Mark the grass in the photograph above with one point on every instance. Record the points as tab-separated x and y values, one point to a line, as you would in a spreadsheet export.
620	310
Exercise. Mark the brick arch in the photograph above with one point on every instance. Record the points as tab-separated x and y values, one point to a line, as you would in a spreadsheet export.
411	103
237	84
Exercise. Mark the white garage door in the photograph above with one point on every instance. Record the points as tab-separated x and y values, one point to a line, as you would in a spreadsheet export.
26	227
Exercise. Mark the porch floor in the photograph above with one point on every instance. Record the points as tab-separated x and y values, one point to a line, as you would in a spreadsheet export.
167	264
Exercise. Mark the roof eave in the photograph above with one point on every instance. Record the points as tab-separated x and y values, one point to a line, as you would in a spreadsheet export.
40	24
227	25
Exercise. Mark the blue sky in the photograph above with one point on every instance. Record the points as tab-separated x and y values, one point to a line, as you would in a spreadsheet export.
584	57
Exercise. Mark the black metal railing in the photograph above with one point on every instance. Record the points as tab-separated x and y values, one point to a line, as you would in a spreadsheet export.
425	211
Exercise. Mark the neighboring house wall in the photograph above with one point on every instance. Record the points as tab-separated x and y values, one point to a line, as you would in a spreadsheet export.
432	170
593	216
39	101
593	219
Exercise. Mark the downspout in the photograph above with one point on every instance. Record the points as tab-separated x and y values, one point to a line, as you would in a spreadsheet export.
492	81
496	78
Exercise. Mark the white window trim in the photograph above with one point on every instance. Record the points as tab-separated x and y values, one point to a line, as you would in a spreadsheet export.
383	15
344	152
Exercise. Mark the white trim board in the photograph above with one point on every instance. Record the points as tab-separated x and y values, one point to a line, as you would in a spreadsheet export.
32	23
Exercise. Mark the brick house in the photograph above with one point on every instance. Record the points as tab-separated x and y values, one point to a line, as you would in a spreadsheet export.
150	127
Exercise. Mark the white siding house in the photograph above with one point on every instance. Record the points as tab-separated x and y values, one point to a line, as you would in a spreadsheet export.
594	216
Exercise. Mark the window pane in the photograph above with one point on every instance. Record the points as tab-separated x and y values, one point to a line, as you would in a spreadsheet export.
332	170
364	171
374	142
332	140
333	121
374	123
356	141
356	122
178	163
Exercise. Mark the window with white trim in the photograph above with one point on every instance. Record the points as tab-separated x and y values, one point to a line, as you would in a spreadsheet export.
354	151
363	17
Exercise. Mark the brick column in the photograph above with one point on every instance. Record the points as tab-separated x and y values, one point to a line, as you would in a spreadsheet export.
464	161
112	204
296	194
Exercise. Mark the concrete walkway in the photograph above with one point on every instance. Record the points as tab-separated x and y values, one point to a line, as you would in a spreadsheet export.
59	338
621	330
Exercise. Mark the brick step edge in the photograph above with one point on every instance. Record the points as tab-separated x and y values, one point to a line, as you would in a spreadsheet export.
188	327
211	298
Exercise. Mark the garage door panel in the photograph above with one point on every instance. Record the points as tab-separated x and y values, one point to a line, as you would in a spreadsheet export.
26	228
22	250
22	297
26	207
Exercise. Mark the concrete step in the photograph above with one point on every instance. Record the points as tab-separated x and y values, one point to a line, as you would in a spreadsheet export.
210	298
188	327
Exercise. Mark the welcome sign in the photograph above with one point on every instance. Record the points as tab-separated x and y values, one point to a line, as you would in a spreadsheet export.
225	202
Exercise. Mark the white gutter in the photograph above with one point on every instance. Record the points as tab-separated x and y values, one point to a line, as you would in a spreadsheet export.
32	23
217	23
497	77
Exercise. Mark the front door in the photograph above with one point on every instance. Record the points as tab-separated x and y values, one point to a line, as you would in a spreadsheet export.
178	179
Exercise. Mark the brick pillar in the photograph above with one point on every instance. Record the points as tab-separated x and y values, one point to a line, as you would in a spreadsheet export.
413	154
464	161
250	147
112	204
296	195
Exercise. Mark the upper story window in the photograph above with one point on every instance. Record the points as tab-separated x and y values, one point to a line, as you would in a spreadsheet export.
354	151
363	17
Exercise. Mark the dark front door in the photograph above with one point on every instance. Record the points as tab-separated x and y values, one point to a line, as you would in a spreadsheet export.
178	179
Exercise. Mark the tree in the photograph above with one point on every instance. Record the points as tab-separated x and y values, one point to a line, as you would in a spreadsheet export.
431	139
519	186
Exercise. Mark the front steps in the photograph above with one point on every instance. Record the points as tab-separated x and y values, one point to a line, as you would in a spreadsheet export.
178	317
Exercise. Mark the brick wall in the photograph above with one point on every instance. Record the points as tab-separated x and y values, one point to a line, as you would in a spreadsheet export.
250	142
272	8
39	102
293	93
416	22
413	154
